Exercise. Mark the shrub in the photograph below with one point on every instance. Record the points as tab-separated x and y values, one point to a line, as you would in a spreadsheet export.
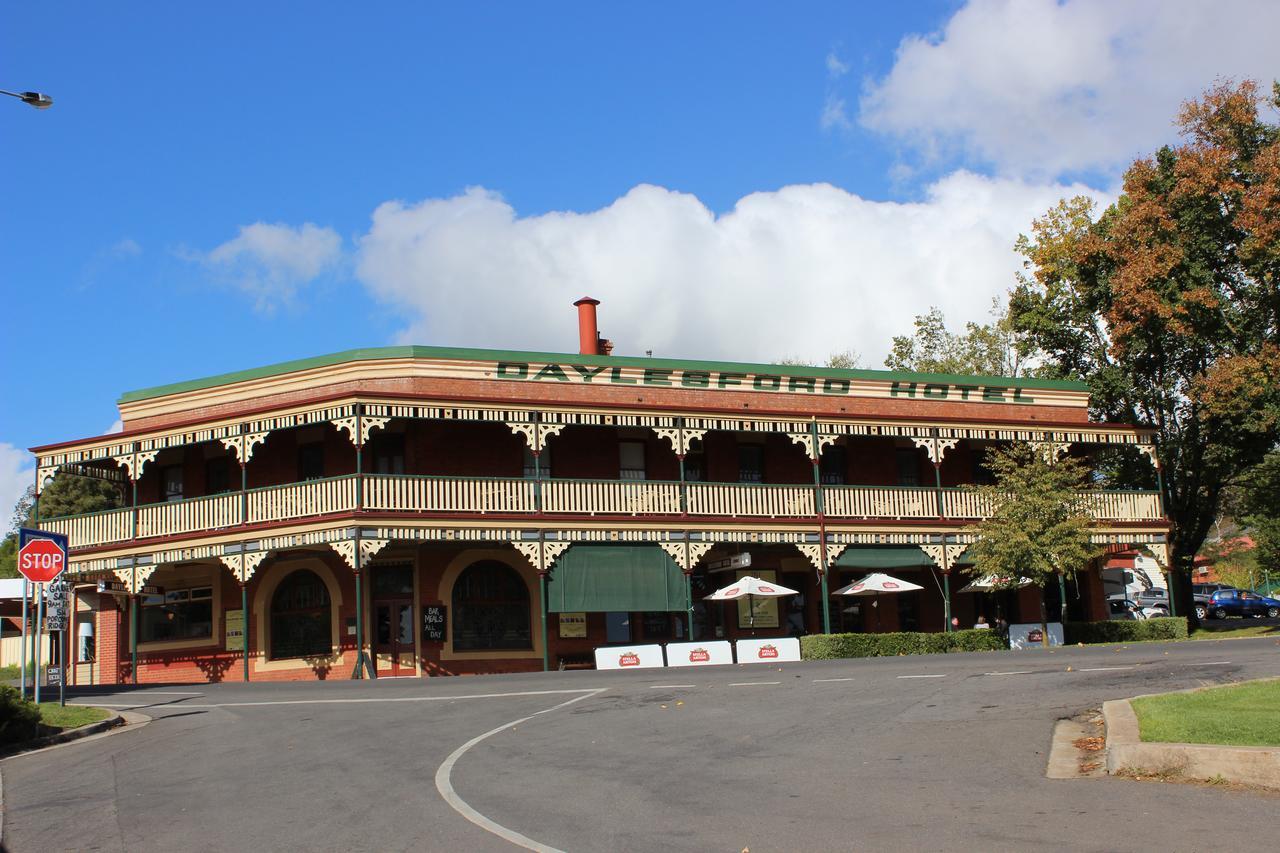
831	646
19	720
1125	631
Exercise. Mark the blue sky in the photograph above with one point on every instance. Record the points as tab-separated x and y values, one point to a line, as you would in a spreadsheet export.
228	185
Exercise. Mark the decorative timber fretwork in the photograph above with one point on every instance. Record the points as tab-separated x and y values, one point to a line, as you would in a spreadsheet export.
133	463
536	434
541	555
805	440
346	549
242	445
447	413
686	554
680	437
944	556
243	566
936	448
358	427
299	418
1150	451
746	425
1127	538
1051	450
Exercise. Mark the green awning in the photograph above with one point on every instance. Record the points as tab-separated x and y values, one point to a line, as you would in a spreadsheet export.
615	578
889	557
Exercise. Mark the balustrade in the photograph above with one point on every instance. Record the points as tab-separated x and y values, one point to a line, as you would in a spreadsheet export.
609	497
879	502
732	499
97	528
186	516
298	500
447	494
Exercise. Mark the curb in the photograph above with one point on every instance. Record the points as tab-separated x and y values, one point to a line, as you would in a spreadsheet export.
1251	765
66	737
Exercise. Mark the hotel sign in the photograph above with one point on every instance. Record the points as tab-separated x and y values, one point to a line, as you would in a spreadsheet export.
723	380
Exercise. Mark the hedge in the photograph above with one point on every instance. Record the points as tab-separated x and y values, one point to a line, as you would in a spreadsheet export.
19	720
1125	630
829	646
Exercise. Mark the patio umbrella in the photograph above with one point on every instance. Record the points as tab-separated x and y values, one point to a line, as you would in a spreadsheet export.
874	584
749	587
987	583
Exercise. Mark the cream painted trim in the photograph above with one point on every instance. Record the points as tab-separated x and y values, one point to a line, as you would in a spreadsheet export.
275	573
526	571
214	580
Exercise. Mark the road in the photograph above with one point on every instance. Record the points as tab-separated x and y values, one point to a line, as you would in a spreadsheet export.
940	753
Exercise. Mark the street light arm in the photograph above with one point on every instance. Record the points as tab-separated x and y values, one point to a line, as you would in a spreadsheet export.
39	100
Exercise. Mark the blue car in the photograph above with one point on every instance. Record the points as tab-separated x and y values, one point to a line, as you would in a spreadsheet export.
1236	602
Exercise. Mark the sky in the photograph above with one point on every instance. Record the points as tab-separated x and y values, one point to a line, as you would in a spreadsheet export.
222	186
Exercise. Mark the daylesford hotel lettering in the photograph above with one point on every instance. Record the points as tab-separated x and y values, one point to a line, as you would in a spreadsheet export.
727	380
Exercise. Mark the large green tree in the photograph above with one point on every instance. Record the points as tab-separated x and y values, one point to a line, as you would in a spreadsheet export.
982	349
1168	304
1038	524
65	494
1255	502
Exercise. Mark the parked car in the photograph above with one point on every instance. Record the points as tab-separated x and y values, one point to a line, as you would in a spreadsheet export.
1200	593
1127	608
1235	602
1155	598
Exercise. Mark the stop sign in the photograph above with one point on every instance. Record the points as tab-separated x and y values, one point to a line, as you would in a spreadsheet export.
41	560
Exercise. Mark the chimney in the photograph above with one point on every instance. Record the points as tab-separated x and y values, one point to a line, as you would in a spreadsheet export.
588	334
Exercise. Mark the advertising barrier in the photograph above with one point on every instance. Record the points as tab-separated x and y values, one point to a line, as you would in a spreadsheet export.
629	657
1028	636
768	651
709	653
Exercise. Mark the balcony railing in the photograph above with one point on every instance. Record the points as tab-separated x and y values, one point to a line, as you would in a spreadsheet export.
517	496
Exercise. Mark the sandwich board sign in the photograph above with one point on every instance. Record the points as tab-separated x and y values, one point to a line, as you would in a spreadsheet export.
42	555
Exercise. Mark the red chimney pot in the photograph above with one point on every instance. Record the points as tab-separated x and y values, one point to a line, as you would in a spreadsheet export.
588	334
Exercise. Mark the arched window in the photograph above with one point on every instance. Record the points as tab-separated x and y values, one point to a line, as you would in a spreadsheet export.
490	608
301	618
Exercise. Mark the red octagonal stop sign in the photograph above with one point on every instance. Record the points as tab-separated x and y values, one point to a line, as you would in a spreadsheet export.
41	560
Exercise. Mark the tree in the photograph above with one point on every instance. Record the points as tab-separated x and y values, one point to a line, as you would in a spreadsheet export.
987	349
65	494
1168	305
1038	525
845	360
1256	502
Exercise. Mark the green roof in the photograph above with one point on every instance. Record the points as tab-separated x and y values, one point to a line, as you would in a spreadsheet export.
448	353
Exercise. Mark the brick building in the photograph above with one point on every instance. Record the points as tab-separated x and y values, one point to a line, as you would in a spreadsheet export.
455	511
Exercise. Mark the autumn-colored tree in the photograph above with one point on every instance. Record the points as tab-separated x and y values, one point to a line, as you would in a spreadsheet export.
1168	304
1038	525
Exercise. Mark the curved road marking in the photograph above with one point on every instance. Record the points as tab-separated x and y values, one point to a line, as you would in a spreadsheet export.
459	805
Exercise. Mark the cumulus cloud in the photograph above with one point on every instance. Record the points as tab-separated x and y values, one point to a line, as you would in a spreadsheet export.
835	113
17	472
1045	87
116	426
807	270
272	261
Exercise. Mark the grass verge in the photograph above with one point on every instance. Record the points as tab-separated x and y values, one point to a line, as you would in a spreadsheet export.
71	717
1239	715
1228	632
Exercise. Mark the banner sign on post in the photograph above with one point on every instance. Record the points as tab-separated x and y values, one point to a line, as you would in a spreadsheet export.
57	605
235	630
435	619
1030	636
768	651
629	657
573	625
710	653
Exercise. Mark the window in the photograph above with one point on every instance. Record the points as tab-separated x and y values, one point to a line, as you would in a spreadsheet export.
662	626
217	476
86	648
311	461
617	627
833	466
386	453
171	483
543	465
908	467
301	617
179	614
491	608
695	467
750	463
631	460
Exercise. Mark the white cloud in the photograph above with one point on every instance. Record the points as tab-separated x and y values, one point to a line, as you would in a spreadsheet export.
272	261
126	248
116	426
835	66
807	270
834	114
17	472
1041	87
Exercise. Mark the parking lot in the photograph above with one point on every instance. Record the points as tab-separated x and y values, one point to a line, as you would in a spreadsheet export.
941	752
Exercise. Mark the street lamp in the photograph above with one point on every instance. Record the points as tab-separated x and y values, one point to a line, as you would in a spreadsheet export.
39	100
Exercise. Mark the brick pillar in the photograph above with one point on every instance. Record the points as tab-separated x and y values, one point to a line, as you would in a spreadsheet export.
110	641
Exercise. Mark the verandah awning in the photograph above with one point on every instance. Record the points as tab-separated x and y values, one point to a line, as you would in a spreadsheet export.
890	557
615	578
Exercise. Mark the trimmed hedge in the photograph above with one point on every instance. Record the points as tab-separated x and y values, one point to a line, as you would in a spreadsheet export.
1125	631
830	646
19	720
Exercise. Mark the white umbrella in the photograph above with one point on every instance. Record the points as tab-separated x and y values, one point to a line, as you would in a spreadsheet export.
874	584
987	583
749	587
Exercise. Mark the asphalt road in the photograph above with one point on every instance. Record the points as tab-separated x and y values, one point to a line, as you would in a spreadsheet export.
938	753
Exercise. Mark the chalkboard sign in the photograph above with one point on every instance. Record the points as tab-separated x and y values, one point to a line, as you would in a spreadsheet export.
434	619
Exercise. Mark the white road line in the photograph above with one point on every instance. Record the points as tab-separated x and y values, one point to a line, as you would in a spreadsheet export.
366	701
822	680
445	786
1013	672
943	675
669	686
158	693
1209	663
1102	668
752	683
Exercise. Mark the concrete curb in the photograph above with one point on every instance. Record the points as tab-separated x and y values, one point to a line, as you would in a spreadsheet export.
116	719
1252	765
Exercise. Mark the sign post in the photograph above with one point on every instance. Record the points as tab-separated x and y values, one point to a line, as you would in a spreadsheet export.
42	557
58	617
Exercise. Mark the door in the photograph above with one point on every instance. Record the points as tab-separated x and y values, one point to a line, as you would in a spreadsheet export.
393	638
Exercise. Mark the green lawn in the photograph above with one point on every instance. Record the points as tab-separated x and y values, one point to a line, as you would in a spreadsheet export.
1239	715
70	717
1233	629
